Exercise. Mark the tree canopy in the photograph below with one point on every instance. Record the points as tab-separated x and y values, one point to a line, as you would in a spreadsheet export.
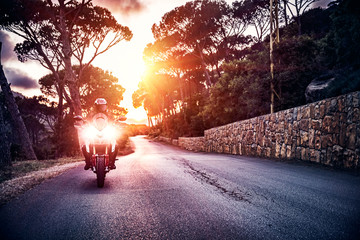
205	71
93	83
57	32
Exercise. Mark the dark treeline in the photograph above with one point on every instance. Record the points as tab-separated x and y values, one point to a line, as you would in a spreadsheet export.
205	70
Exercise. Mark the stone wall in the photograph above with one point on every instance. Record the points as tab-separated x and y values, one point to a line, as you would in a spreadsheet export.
196	144
326	132
165	139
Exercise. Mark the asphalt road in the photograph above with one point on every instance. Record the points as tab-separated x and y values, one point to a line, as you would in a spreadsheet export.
162	192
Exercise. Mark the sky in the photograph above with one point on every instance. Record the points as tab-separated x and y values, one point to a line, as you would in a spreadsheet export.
124	60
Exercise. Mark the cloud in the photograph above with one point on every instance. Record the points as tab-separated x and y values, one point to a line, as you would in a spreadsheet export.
19	79
321	3
7	52
125	7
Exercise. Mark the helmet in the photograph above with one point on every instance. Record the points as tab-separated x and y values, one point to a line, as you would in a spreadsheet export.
100	105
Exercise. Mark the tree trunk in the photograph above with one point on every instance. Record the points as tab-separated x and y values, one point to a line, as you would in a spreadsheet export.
203	66
285	13
5	157
67	52
15	116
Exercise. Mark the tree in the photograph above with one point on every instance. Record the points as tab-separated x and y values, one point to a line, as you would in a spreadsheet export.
191	42
296	9
255	13
18	123
5	157
205	29
57	33
93	83
38	114
240	93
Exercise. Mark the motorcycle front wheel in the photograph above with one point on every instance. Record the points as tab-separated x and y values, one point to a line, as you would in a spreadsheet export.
100	171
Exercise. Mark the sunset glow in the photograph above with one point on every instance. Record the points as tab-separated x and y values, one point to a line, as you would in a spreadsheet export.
124	60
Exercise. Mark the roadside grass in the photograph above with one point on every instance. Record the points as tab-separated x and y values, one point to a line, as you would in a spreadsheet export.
21	168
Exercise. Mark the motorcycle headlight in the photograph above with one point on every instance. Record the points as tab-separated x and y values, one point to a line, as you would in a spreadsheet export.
109	132
90	132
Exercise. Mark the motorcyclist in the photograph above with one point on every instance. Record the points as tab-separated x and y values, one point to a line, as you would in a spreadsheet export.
100	107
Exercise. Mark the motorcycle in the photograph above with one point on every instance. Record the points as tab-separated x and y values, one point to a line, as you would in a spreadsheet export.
99	143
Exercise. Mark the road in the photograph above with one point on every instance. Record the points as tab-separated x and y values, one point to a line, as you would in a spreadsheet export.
163	192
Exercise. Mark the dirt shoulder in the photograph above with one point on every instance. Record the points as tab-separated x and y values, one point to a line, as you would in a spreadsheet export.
26	175
14	187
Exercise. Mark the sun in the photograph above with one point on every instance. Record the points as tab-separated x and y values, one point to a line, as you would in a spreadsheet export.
137	114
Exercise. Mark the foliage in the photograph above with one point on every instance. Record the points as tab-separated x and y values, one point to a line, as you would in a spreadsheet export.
241	93
56	33
298	65
227	88
136	129
93	83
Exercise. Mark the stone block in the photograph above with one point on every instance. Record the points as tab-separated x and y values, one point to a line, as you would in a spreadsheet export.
250	137
351	137
277	150
326	141
350	159
315	155
243	149
296	126
304	138
226	148
356	115
259	151
298	152
335	124
304	154
349	100
290	152
279	137
288	139
350	115
341	104
312	110
332	107
329	155
283	151
273	137
305	112
342	135
253	149
289	128
322	110
304	124
268	152
317	111
311	138
281	127
317	140
356	100
281	116
337	155
295	114
323	156
316	124
326	124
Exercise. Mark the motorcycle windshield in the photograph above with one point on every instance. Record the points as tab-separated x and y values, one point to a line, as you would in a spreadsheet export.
100	121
